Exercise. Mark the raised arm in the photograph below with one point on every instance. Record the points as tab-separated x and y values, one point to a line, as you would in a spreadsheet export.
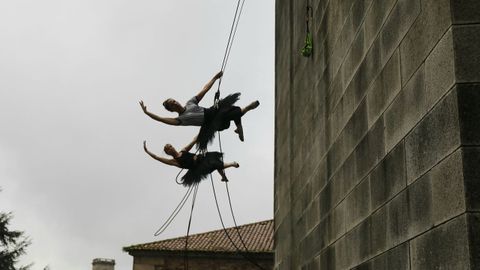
190	145
166	120
171	162
209	85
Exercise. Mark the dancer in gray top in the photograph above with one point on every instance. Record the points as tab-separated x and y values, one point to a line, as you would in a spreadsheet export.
210	119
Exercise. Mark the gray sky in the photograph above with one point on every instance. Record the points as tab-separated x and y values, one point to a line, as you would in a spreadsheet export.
72	168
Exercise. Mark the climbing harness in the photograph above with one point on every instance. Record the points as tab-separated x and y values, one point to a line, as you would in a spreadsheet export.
307	50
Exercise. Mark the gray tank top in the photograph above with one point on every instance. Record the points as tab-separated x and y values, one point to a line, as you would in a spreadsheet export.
193	114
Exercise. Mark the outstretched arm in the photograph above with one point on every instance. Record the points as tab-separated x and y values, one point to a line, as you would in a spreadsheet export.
171	162
166	120
190	145
209	85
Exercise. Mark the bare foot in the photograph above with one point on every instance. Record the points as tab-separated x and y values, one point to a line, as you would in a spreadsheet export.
235	164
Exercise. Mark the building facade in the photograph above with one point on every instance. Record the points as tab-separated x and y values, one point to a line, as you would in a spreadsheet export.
211	250
377	141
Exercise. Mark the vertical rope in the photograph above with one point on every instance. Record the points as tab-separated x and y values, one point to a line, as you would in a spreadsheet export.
185	261
226	232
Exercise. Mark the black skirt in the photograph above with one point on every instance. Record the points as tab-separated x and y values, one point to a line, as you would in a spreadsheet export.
218	119
204	165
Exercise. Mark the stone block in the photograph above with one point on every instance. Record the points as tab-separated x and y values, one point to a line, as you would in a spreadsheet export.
467	52
403	15
370	150
357	205
325	200
342	45
364	232
427	30
436	136
358	242
384	89
338	190
471	172
389	177
397	220
445	247
448	188
375	18
379	231
342	258
420	206
474	239
406	110
320	234
469	113
313	214
356	54
336	222
440	70
320	178
348	174
465	11
327	258
363	76
395	259
356	127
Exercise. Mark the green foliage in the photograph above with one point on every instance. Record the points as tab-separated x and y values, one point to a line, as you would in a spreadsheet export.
308	48
12	244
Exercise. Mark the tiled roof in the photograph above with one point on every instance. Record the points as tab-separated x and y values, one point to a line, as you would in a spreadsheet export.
258	237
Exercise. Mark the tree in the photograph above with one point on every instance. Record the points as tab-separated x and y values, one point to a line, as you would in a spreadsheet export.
12	244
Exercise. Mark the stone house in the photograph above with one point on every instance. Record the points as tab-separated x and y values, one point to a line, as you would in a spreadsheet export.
210	250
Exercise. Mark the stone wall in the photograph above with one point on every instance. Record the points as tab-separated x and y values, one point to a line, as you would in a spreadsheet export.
212	261
377	145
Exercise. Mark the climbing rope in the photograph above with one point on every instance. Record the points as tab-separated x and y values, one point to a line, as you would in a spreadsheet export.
195	187
231	38
243	254
175	212
228	48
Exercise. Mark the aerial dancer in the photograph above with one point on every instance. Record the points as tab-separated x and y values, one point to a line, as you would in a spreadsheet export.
198	166
215	118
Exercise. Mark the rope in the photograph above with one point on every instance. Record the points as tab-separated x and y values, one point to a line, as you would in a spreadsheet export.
185	261
226	232
231	38
230	202
175	212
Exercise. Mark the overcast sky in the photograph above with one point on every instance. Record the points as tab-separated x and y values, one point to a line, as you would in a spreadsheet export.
72	167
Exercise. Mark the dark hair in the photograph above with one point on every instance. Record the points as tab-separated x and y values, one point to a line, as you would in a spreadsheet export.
168	105
166	147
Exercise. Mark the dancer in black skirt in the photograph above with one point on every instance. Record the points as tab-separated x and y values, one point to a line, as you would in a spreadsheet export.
199	166
210	119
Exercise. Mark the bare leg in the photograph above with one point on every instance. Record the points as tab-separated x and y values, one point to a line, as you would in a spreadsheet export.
222	174
231	164
225	166
239	131
250	107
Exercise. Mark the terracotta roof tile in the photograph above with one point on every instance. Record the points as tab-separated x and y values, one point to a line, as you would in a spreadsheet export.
258	237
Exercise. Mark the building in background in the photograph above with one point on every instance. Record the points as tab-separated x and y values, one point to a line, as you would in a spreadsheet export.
211	250
103	264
